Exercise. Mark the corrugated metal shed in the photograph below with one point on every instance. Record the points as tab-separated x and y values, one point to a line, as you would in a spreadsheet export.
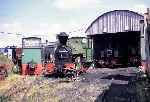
115	21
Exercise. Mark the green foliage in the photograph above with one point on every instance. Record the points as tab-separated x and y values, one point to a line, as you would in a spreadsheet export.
3	59
15	69
6	61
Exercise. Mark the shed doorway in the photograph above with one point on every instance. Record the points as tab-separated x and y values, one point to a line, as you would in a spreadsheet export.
117	49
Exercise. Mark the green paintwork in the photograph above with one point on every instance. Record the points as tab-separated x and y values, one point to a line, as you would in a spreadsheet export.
78	47
89	54
31	54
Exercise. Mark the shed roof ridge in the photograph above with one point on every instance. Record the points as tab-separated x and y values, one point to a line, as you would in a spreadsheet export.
111	12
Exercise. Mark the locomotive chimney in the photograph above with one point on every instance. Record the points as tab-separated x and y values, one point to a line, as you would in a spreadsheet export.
62	37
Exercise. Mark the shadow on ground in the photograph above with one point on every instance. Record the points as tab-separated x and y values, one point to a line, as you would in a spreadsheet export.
120	77
119	92
137	90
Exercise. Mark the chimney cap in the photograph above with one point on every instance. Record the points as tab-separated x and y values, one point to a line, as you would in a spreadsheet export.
63	34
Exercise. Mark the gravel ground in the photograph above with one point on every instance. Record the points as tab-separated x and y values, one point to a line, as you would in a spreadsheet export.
97	85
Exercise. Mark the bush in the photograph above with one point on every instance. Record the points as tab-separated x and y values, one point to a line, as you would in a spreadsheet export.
4	61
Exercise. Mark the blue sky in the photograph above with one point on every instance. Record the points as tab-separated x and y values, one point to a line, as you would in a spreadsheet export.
48	17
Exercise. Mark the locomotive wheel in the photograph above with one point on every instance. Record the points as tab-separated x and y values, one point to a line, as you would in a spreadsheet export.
59	74
70	74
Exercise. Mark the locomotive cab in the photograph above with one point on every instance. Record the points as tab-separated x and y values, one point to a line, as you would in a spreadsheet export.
31	56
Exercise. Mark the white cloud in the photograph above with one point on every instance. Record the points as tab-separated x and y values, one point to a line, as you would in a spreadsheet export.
140	8
44	30
76	4
6	25
14	27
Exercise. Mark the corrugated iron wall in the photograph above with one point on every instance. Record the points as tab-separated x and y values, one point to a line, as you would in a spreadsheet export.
115	21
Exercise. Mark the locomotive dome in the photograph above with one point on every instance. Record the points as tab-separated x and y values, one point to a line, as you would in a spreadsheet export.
63	34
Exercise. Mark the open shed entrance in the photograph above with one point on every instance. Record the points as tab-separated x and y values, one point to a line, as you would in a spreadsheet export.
118	49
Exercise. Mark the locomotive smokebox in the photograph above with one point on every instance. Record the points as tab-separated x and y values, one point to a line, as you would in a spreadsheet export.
62	37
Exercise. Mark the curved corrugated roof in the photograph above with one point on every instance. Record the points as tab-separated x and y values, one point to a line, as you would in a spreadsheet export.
116	17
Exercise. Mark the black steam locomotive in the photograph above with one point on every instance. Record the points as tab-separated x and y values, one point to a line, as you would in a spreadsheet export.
64	65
